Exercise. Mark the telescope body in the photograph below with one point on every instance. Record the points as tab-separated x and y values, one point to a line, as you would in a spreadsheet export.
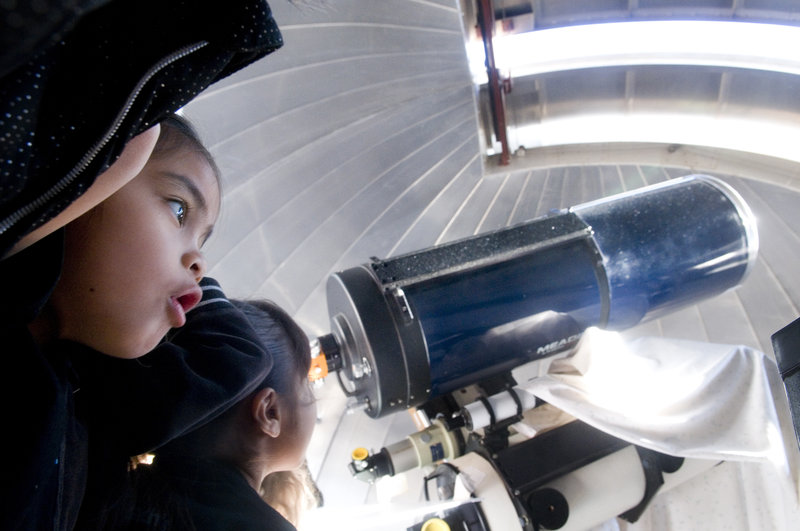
424	324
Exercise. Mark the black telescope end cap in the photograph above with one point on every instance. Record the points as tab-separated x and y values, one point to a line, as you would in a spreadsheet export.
548	508
330	347
786	344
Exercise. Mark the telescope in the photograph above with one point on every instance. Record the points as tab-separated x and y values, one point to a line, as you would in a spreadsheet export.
440	330
411	329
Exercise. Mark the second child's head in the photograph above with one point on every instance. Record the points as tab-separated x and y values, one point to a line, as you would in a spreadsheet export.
132	264
283	407
269	430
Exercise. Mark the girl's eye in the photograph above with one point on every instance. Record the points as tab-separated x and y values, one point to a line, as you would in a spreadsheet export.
179	209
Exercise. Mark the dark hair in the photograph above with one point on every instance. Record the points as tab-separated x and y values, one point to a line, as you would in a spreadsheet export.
283	338
178	133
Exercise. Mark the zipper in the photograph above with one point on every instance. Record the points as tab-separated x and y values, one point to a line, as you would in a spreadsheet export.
62	454
89	157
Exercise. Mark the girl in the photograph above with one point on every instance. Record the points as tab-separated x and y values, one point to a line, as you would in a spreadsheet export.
130	272
78	82
211	478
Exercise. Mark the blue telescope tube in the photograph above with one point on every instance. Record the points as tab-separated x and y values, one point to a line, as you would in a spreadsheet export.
427	323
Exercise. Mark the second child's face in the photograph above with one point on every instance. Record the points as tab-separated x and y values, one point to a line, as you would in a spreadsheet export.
132	264
297	433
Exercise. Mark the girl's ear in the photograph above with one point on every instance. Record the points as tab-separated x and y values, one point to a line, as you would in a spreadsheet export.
266	412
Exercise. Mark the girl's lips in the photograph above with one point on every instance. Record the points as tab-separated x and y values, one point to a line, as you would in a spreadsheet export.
180	304
177	313
190	299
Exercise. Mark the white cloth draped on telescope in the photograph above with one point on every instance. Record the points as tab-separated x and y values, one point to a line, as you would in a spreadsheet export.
684	398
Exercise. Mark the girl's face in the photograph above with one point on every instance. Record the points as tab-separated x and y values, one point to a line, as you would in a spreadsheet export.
296	433
132	264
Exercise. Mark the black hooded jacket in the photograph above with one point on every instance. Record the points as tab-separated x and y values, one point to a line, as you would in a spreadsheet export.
182	493
107	70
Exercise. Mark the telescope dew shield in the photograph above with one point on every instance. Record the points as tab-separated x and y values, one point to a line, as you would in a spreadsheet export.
671	244
427	323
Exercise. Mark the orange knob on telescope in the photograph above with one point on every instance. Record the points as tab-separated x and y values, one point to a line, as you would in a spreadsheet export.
319	368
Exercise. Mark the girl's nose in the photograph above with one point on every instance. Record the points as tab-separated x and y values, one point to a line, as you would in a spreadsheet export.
196	263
